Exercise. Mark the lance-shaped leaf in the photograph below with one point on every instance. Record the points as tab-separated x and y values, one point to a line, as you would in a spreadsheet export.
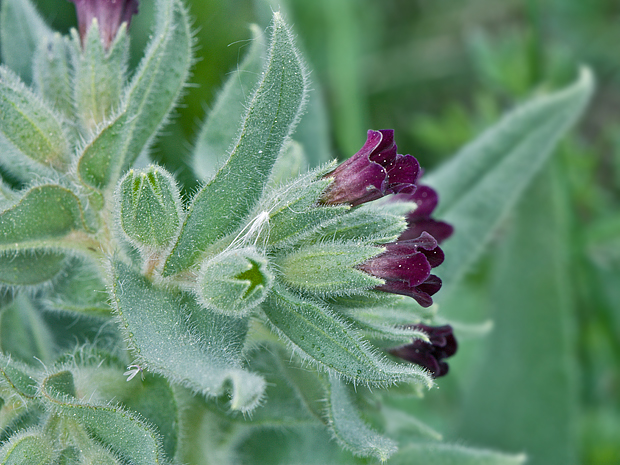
350	430
182	341
321	337
52	73
17	377
146	105
32	140
480	185
222	204
28	447
43	217
221	127
99	76
21	31
124	432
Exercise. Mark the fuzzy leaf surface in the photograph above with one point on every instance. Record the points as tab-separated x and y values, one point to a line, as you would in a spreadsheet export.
442	454
321	337
220	129
31	135
183	342
222	204
122	431
350	430
30	448
148	100
21	31
30	267
480	185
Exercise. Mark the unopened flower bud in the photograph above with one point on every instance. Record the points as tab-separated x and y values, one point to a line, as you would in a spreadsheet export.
110	14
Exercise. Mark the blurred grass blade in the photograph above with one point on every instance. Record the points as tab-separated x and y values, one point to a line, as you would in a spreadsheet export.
442	454
350	430
530	352
479	186
230	196
150	97
221	127
183	342
21	31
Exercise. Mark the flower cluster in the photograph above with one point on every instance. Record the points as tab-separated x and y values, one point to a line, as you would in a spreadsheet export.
110	14
430	355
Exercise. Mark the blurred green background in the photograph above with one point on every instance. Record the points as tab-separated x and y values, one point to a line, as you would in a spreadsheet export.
546	378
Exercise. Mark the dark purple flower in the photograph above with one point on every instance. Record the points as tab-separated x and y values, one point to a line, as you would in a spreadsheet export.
419	220
406	268
110	15
376	170
430	354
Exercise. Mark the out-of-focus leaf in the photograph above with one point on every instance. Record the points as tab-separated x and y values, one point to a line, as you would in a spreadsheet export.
21	31
452	454
479	185
30	448
529	354
219	130
273	112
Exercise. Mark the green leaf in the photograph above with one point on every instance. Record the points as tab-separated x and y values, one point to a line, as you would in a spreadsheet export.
480	185
43	217
350	430
222	204
289	165
154	399
529	354
19	378
21	32
30	267
32	139
448	454
99	76
28	447
328	268
52	74
123	432
24	333
221	127
80	289
183	342
147	103
321	337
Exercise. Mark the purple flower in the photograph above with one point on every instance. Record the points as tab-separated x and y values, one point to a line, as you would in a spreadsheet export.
406	268
430	354
419	220
376	170
110	15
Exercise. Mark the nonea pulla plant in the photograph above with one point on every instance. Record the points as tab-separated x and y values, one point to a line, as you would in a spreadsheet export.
272	316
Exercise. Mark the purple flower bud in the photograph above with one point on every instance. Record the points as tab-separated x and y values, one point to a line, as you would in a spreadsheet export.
406	268
110	14
430	354
419	220
376	170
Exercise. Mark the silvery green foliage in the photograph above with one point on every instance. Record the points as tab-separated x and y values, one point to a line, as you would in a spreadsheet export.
136	330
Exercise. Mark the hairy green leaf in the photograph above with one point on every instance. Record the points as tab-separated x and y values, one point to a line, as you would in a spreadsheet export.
222	204
183	342
17	377
480	185
321	337
30	267
219	130
27	448
32	139
442	454
147	103
21	32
